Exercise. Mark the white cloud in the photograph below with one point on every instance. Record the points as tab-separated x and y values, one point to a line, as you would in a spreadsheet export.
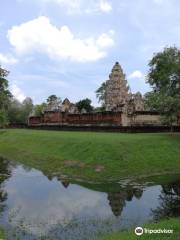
71	6
7	59
82	6
17	92
39	35
105	40
105	6
136	74
137	82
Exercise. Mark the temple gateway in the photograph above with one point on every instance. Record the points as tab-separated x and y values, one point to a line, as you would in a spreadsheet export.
122	108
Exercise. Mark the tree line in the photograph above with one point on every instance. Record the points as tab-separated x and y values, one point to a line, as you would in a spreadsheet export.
13	111
163	77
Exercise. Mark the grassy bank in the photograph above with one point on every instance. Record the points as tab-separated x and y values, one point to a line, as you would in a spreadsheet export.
173	224
93	155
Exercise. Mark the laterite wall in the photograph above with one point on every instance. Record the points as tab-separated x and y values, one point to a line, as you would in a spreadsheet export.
73	119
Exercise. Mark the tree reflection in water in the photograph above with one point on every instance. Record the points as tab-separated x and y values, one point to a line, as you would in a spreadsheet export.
169	202
5	173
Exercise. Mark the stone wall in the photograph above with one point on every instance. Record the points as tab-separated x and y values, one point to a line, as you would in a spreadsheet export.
111	118
95	118
141	119
126	121
147	119
52	117
34	120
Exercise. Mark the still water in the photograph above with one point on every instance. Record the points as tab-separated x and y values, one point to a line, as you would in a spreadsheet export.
35	206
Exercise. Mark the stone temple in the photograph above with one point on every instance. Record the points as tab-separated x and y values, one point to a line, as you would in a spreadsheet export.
122	108
116	95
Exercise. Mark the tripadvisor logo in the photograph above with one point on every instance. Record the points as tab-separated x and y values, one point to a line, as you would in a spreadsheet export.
139	231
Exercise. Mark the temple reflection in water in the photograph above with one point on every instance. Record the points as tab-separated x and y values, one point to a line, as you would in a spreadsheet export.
93	207
117	199
169	198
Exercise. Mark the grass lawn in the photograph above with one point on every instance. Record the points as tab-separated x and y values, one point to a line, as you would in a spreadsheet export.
172	224
90	155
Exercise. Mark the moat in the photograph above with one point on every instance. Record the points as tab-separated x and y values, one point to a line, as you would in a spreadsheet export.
33	205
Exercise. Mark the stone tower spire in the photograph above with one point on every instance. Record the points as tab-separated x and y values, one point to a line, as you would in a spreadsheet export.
116	93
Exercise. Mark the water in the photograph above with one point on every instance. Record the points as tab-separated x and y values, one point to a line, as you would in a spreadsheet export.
35	206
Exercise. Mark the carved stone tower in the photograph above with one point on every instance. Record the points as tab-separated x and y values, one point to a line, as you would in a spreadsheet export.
116	94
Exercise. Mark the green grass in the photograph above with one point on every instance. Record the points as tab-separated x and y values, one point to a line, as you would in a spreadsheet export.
121	155
2	234
173	224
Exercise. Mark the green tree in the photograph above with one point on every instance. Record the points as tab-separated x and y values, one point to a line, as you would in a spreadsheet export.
15	111
3	118
100	93
164	77
85	104
164	72
19	112
5	96
27	107
39	108
99	109
53	98
167	106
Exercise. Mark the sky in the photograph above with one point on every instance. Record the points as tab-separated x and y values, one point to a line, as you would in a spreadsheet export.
68	47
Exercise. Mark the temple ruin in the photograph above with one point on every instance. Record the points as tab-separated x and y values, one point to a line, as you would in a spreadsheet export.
116	94
122	108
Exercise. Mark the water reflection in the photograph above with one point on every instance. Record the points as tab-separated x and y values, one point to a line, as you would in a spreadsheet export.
35	205
117	200
169	201
65	183
5	174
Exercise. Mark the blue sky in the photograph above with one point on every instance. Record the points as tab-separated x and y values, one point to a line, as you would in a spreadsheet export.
68	47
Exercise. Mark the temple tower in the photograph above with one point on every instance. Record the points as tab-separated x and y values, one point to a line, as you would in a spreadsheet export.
116	94
117	201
